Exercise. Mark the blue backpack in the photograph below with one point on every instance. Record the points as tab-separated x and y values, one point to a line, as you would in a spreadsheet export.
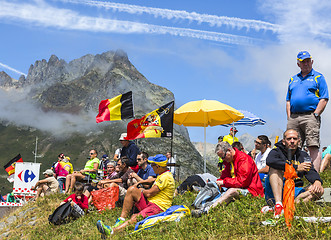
207	195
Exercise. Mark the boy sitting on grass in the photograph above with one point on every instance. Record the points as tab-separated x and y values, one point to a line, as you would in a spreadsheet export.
79	201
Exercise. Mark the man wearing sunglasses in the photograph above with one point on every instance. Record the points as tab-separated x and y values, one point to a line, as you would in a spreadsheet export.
240	174
261	143
88	173
146	174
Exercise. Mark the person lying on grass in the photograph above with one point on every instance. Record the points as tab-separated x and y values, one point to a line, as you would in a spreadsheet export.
240	175
148	201
79	201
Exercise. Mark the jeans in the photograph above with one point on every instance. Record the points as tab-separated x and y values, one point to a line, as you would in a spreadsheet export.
62	182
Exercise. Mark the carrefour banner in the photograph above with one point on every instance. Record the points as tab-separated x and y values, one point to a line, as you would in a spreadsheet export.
26	175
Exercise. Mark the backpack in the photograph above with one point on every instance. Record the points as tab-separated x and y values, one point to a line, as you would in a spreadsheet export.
61	214
207	195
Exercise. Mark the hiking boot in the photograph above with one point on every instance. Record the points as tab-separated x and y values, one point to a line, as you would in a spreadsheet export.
279	210
196	213
104	229
118	222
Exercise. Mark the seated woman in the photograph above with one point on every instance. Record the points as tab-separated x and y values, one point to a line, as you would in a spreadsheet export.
89	172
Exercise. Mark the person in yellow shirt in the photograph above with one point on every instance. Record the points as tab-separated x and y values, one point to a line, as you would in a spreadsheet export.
231	137
148	201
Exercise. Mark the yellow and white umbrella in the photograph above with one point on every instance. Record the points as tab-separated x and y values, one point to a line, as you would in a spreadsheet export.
205	113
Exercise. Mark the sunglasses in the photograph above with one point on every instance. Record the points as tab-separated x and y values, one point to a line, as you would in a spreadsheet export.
139	159
224	155
92	153
257	142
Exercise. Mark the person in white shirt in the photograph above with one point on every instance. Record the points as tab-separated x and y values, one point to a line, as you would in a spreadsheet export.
171	160
262	144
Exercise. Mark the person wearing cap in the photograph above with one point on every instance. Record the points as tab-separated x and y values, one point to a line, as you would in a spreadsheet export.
307	96
231	137
130	150
62	169
148	201
46	186
103	164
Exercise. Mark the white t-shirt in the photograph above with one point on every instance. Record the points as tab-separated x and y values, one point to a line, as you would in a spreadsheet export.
260	159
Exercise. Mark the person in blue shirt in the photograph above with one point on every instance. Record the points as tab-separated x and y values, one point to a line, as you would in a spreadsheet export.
146	174
130	150
306	99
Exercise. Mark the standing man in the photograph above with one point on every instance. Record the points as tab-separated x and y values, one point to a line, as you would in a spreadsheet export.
231	137
130	150
307	96
261	143
277	159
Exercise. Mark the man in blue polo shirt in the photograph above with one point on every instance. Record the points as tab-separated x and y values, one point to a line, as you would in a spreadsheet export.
306	99
146	174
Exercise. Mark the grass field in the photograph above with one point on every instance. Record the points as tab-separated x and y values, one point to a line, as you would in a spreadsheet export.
238	220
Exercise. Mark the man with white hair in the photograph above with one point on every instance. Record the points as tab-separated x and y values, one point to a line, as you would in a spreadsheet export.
307	96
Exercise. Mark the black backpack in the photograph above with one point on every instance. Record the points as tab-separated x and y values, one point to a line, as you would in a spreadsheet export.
61	214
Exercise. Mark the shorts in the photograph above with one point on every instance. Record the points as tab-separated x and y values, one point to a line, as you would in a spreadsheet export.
146	208
87	178
269	195
308	127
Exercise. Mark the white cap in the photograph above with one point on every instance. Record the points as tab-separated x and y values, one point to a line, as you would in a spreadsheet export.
123	136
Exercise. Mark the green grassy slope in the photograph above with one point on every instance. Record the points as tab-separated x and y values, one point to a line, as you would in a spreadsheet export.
238	220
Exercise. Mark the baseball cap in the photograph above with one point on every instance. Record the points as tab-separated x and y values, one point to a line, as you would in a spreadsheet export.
49	172
234	129
303	55
159	159
123	137
105	156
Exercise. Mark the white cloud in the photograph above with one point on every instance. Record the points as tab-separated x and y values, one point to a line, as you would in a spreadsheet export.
213	20
48	16
11	69
300	20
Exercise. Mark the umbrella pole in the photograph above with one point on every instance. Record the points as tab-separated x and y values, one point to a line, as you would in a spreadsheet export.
204	152
232	132
204	148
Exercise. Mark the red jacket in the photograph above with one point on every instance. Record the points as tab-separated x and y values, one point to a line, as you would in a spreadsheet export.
246	174
82	202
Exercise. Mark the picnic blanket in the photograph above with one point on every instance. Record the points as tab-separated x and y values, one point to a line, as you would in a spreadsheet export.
174	213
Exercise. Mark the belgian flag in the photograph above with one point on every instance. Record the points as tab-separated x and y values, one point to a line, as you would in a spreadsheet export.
10	166
156	124
117	108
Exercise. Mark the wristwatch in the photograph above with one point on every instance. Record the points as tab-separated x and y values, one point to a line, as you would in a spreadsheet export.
316	115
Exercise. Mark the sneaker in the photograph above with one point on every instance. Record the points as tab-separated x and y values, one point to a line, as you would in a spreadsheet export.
118	222
196	213
279	210
104	229
266	209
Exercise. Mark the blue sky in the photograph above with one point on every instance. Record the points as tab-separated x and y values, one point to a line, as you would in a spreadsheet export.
241	53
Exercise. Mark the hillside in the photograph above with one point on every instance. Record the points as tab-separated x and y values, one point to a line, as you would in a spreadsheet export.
238	220
58	101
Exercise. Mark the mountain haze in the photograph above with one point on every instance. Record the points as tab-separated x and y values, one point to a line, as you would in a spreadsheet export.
58	101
